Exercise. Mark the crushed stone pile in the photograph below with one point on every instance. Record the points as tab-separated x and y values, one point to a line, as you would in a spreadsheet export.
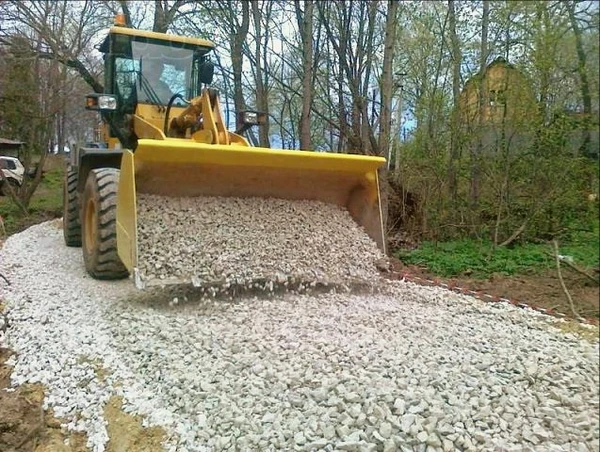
252	242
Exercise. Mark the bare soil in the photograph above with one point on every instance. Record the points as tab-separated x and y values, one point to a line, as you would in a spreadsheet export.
542	290
26	427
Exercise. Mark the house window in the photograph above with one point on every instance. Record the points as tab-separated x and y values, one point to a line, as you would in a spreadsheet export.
497	97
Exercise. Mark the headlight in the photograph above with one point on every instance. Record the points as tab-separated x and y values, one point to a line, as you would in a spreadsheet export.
102	102
250	117
107	103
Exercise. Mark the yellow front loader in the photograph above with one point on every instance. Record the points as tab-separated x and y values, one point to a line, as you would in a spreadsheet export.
159	142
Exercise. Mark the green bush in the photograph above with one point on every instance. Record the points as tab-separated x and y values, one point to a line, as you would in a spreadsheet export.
478	259
45	204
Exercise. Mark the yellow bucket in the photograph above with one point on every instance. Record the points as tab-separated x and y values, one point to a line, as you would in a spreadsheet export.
185	168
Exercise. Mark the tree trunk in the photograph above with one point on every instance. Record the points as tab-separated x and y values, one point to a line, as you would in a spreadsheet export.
354	23
398	156
40	132
387	80
477	151
585	86
343	141
305	25
455	120
370	145
238	38
433	112
261	92
545	69
164	14
159	25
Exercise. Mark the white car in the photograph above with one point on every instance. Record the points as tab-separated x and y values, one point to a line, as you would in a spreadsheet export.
13	170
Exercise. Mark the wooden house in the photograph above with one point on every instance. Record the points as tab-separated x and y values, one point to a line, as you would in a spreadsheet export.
499	95
499	111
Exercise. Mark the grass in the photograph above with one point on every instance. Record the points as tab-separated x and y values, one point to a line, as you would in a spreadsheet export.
479	260
45	204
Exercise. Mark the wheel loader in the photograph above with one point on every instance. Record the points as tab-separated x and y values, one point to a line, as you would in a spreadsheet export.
164	133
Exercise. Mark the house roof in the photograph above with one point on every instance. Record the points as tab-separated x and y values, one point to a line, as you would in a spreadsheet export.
500	61
6	141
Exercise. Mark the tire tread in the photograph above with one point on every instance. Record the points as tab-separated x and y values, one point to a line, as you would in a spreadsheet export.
104	262
71	219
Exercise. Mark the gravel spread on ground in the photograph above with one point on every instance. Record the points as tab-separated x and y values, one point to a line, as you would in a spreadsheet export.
408	368
238	241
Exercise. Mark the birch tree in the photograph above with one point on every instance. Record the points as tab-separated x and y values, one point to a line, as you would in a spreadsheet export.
387	77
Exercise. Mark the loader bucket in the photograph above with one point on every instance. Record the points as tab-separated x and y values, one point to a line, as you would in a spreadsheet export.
184	168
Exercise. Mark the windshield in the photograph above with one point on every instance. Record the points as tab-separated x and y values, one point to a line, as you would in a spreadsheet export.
7	164
162	71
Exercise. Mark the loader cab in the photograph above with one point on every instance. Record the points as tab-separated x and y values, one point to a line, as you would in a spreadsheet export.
143	70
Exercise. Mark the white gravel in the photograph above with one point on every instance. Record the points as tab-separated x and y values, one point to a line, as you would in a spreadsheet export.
242	241
413	368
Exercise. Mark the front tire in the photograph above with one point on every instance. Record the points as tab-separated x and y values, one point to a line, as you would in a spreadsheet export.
99	225
71	220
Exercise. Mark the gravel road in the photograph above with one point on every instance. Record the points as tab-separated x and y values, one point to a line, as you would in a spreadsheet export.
409	368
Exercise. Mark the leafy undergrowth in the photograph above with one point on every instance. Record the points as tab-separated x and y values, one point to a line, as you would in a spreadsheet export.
480	260
46	202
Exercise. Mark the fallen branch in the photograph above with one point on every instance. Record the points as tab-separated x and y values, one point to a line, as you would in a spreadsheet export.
589	312
5	279
515	234
576	268
562	282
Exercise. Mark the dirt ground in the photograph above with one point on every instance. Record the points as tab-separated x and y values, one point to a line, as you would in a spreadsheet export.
543	290
26	427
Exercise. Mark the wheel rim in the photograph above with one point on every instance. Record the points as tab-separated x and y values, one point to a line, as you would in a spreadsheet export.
90	226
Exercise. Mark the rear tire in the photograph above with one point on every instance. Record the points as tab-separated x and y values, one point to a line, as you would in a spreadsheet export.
71	219
99	225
